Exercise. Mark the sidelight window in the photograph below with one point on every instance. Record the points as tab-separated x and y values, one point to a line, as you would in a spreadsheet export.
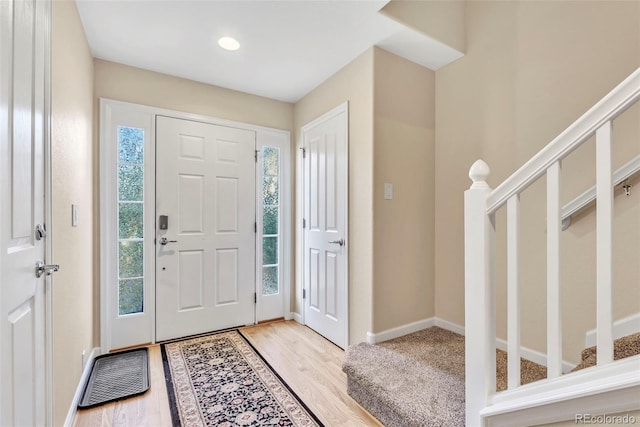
271	233
130	220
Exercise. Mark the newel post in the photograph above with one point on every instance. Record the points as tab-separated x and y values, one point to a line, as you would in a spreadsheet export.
479	299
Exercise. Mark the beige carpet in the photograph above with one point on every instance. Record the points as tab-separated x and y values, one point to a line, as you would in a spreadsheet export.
622	347
444	350
418	380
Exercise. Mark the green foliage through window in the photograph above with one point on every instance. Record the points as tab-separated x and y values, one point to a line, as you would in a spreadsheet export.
269	280
130	182
130	220
270	219
130	296
270	250
131	259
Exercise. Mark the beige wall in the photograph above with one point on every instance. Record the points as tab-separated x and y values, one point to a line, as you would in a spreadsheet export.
138	86
125	83
391	242
76	287
532	68
73	182
403	228
354	83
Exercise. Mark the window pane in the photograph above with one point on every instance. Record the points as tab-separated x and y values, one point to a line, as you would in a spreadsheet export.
269	250
270	192
270	220
130	296
271	160
269	280
130	259
131	145
130	220
130	182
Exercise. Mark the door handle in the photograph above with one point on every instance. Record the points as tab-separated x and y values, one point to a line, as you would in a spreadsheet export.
338	242
48	269
163	241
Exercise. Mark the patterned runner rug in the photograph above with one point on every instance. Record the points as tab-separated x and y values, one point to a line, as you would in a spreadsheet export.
221	380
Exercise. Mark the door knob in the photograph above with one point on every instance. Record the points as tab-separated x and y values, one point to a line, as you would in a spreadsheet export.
163	241
338	242
48	269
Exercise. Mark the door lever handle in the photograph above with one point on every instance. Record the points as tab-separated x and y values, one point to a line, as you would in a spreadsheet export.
163	241
338	242
48	269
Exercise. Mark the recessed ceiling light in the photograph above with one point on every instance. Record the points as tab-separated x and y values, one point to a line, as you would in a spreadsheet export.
229	43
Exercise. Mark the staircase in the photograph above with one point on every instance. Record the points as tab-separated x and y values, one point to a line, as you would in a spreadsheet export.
418	380
611	386
458	381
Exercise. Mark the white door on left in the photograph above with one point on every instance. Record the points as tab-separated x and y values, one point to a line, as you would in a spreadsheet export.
24	44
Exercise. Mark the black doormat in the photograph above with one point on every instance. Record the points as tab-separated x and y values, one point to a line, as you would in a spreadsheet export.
116	376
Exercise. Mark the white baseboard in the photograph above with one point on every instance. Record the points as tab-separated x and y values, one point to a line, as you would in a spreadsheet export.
373	338
534	356
288	316
296	316
68	422
527	353
449	326
621	328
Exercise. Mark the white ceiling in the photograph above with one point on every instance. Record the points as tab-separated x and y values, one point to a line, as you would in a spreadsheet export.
287	47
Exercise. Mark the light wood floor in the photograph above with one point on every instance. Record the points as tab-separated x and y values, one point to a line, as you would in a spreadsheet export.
308	363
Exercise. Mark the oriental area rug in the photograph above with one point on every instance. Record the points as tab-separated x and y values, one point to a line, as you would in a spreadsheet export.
221	380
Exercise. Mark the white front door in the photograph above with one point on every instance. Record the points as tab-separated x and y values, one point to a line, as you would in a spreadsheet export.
23	129
205	227
325	143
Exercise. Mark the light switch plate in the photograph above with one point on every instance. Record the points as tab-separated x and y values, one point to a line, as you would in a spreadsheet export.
388	191
74	215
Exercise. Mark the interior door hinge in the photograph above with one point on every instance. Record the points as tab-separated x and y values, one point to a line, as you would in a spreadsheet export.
256	156
304	152
304	223
255	227
255	298
304	294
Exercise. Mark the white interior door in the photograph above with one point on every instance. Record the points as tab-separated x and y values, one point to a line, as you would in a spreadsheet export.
325	143
205	256
23	120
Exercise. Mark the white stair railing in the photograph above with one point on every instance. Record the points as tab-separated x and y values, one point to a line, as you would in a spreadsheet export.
481	204
620	177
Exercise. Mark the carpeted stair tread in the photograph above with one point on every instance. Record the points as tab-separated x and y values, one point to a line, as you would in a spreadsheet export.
529	371
622	347
418	379
392	381
444	350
